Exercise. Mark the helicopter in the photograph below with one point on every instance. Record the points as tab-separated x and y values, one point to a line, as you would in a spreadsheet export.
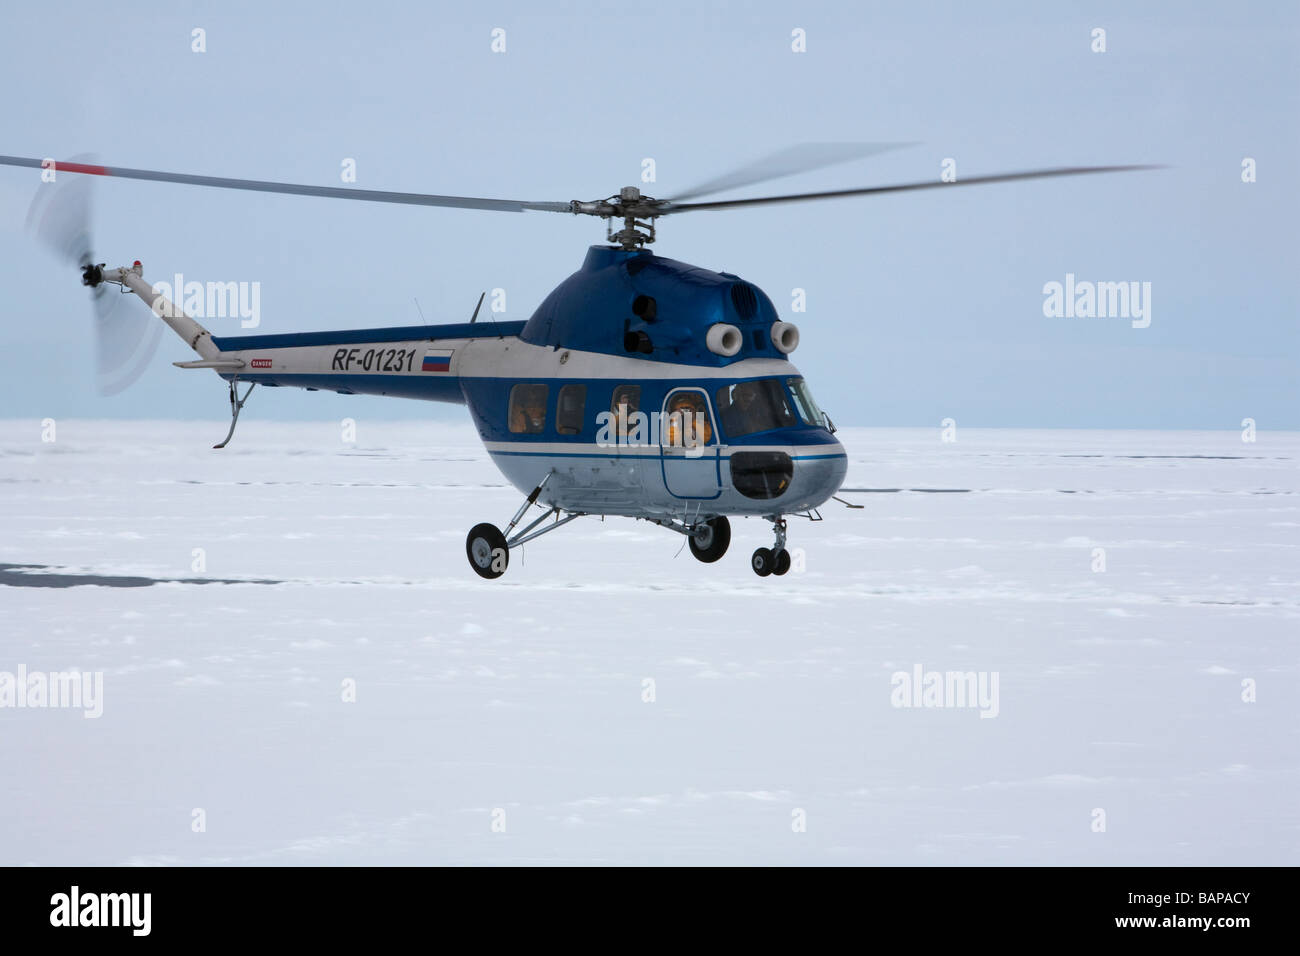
640	387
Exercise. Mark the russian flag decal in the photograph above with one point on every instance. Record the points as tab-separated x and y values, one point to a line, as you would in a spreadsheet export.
436	360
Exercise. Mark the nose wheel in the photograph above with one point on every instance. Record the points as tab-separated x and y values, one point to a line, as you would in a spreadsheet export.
767	561
773	560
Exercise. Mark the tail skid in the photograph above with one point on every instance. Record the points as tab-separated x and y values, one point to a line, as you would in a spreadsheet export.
236	406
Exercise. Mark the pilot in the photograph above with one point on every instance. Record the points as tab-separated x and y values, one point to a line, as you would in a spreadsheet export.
740	416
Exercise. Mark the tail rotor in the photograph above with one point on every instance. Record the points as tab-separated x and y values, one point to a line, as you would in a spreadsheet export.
125	338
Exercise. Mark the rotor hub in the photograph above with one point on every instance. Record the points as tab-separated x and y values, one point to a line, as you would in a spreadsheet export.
638	213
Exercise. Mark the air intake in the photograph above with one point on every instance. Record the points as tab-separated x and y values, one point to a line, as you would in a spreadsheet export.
744	299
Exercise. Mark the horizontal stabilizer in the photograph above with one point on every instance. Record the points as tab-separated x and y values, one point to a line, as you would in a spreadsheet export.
225	365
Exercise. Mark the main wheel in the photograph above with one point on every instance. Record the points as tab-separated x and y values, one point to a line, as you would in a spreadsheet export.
488	553
762	562
782	562
710	540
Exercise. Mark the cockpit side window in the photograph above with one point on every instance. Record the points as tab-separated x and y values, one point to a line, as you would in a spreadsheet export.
803	401
749	407
528	409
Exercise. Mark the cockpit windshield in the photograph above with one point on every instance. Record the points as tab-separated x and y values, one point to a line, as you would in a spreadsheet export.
759	406
803	400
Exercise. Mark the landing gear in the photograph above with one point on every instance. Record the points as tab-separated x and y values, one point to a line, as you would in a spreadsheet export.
765	561
773	560
710	539
488	548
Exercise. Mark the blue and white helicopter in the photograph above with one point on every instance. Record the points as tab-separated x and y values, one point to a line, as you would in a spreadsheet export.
641	387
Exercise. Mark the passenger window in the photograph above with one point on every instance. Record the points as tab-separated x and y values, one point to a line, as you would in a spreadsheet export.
688	420
626	400
569	409
527	409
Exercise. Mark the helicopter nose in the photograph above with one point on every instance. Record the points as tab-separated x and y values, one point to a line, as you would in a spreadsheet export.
796	479
819	473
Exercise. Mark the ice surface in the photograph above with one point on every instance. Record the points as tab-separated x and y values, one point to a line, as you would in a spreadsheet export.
1119	690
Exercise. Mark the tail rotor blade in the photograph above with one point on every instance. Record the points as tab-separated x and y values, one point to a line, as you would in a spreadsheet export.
125	338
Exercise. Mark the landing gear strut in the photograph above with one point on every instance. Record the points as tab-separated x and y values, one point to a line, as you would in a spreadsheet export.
773	560
488	548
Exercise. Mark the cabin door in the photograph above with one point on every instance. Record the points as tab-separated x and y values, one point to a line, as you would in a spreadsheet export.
688	445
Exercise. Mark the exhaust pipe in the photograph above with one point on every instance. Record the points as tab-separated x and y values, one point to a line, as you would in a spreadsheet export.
723	339
785	336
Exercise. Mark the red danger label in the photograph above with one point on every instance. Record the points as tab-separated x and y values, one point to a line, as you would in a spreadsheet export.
261	363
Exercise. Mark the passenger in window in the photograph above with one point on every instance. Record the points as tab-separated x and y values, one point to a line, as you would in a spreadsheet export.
535	417
626	400
688	421
528	409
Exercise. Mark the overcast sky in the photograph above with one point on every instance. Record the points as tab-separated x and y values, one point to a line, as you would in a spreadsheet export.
919	307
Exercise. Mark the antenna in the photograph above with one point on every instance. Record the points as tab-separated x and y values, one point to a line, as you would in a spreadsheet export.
473	318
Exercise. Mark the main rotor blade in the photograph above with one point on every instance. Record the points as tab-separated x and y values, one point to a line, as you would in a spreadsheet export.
294	189
800	158
903	187
60	217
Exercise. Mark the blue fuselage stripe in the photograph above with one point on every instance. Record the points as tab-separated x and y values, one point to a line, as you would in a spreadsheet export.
405	333
616	454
